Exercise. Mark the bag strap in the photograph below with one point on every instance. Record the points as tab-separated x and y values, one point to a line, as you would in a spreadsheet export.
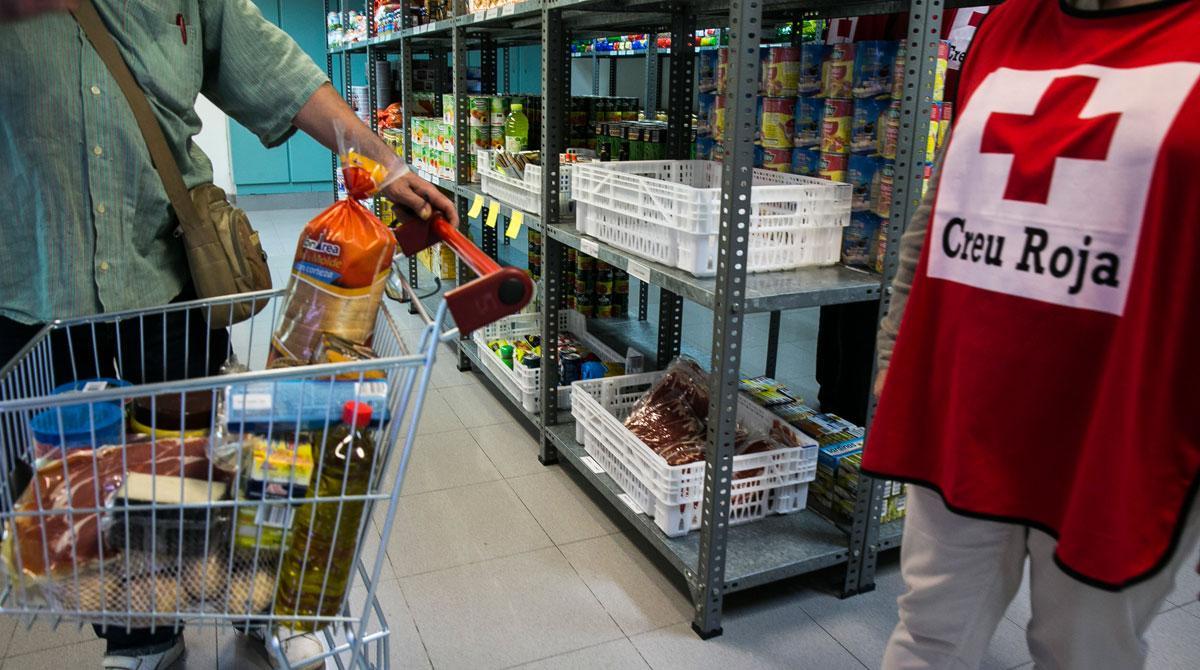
160	152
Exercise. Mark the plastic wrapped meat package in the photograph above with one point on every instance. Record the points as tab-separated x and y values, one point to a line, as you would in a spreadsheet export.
672	419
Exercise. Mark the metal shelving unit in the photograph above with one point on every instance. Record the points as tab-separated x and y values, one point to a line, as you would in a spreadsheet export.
718	559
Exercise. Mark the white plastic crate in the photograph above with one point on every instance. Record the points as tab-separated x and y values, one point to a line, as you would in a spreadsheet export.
672	495
523	194
669	212
525	384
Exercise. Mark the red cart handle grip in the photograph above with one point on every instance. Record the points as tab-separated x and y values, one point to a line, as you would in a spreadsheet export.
494	294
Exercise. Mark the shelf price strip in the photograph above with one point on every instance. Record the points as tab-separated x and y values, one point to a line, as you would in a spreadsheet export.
476	207
493	213
514	224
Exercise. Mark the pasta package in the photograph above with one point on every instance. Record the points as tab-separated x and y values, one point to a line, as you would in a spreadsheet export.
341	266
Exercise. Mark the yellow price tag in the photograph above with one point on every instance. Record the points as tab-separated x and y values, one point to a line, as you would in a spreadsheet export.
476	206
493	213
514	225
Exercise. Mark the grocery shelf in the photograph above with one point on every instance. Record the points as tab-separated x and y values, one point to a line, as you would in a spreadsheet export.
890	534
765	291
757	553
469	191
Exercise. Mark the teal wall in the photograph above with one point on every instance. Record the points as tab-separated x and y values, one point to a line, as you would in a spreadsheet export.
300	164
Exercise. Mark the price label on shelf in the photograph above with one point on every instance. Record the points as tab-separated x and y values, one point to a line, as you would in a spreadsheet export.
493	12
476	207
514	224
624	497
640	271
592	465
480	15
493	214
589	247
507	10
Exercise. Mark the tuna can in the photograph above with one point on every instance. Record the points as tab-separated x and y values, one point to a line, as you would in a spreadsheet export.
777	121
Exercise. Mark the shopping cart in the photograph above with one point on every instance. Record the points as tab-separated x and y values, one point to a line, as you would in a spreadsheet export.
156	501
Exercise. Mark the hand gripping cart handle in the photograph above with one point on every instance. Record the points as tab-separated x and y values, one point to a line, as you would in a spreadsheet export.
495	293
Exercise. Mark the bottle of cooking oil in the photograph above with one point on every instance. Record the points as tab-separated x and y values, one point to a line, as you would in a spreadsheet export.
313	584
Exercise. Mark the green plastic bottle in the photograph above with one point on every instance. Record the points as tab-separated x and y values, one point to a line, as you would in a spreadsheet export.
516	130
321	534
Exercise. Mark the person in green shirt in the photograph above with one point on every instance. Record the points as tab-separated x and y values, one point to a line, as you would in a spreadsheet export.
87	225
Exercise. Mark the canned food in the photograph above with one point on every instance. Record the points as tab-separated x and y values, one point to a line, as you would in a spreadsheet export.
870	116
570	368
777	121
806	161
480	137
718	118
781	71
480	112
808	115
499	109
837	72
808	78
778	160
833	166
835	126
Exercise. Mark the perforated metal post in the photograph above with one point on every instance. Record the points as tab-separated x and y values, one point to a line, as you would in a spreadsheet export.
595	74
329	73
506	73
737	174
612	75
406	106
670	327
458	74
921	45
487	70
556	95
650	97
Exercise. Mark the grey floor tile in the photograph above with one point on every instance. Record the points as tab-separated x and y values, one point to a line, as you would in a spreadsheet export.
8	624
446	460
405	646
863	623
1187	581
201	648
76	655
1174	640
42	636
443	529
507	611
240	652
615	655
436	416
561	506
772	631
512	448
446	374
632	589
476	406
1193	609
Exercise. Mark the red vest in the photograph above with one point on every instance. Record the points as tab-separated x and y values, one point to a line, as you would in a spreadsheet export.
1047	369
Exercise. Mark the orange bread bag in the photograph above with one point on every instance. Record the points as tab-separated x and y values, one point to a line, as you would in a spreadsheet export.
342	263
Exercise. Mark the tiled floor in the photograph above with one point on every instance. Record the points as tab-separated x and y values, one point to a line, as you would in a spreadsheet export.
495	561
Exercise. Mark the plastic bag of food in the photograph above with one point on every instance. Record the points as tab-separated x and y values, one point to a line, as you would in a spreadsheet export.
342	264
671	417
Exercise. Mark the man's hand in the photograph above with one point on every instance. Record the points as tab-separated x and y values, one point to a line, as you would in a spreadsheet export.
880	378
19	9
420	197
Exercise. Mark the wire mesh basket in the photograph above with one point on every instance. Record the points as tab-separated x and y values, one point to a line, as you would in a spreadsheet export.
161	472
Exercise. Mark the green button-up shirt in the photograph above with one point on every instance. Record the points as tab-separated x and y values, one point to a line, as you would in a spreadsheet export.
87	227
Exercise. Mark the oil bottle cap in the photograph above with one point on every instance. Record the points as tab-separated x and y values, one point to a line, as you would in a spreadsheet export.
356	413
516	107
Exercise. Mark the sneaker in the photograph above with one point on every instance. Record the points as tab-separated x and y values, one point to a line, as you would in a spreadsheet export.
297	647
138	660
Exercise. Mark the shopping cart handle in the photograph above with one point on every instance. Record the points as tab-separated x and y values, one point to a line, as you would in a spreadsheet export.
495	293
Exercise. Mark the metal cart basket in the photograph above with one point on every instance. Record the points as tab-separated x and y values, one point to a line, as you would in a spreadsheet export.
159	479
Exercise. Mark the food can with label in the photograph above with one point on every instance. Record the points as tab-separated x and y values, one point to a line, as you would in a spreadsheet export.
806	126
782	70
776	159
808	79
498	110
833	166
570	368
718	118
481	109
837	72
777	122
806	161
835	126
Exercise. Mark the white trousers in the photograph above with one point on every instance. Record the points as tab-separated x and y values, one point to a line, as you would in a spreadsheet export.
962	573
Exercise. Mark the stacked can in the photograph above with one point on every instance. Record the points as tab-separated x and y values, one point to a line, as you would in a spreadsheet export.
602	290
620	299
585	279
535	254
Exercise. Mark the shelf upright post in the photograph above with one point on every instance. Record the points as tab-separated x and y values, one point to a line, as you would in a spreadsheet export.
737	176
651	95
595	74
612	76
406	107
458	73
556	96
921	46
506	73
372	95
329	73
487	62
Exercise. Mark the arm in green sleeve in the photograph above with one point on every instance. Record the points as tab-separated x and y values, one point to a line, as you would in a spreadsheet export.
911	243
254	71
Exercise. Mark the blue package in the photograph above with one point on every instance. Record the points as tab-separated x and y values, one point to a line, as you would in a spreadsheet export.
873	63
806	161
858	240
705	104
704	148
810	112
861	175
812	54
864	128
301	404
708	71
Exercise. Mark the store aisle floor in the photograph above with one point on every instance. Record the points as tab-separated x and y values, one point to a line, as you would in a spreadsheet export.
496	561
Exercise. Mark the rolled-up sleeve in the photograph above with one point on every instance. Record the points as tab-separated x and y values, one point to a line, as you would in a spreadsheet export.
254	71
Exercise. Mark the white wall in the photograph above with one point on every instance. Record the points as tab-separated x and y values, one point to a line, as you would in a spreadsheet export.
213	139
